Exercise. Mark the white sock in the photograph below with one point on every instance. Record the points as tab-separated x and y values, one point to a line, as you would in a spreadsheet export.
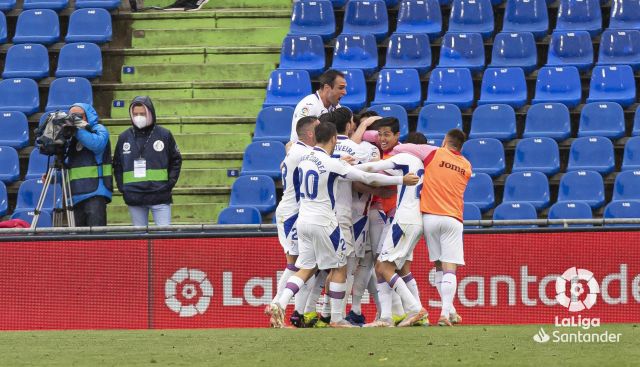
361	281
384	294
396	303
372	287
316	291
411	283
401	288
448	289
438	280
352	263
326	306
286	274
337	294
293	286
301	298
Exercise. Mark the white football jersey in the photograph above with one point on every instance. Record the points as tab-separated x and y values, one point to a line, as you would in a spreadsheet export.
347	147
310	105
289	204
360	201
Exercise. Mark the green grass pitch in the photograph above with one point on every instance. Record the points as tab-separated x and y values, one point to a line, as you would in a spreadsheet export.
417	346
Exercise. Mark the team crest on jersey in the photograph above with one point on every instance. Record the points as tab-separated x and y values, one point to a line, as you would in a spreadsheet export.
158	146
79	146
305	111
126	147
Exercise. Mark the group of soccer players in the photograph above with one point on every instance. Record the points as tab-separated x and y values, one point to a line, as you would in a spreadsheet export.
354	206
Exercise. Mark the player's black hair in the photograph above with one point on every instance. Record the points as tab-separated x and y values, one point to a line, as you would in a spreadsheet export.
363	116
455	138
303	124
339	117
390	122
329	77
416	138
325	131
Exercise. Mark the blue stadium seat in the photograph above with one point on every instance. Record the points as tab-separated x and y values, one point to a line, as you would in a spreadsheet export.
338	4
398	86
420	16
625	14
602	119
528	187
558	84
537	154
627	186
9	165
303	53
80	59
287	87
622	209
391	3
366	17
394	110
550	120
3	199
64	92
526	16
89	25
313	17
15	129
19	94
38	165
56	5
263	158
356	97
356	51
593	153
27	61
584	186
471	212
472	16
273	124
29	193
409	51
479	191
44	220
6	5
256	191
37	26
493	121
515	211
435	120
515	49
612	83
451	85
485	155
571	48
579	15
620	47
240	215
570	210
462	50
631	157
3	27
504	85
104	4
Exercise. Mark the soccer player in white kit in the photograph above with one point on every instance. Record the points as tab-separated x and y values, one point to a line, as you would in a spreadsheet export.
333	86
287	210
320	242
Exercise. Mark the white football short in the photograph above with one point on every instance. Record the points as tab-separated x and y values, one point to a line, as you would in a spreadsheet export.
288	233
399	243
444	238
321	246
377	223
361	235
347	234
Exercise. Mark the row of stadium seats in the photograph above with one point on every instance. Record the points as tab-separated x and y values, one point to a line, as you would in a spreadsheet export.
32	61
28	195
424	16
455	86
43	26
21	94
8	5
10	165
460	50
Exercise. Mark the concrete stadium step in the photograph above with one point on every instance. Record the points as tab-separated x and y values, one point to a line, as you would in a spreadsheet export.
189	72
213	19
209	143
224	4
199	107
259	36
194	128
191	213
187	195
196	55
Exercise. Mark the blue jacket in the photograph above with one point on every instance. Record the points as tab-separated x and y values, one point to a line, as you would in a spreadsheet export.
95	139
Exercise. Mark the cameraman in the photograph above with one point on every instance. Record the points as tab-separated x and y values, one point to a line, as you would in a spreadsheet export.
89	163
146	165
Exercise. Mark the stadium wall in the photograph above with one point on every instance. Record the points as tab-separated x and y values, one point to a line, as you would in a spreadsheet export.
212	282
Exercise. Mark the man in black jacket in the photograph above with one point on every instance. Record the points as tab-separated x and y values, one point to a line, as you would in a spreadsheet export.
146	165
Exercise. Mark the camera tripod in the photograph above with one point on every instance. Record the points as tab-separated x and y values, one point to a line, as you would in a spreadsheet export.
67	199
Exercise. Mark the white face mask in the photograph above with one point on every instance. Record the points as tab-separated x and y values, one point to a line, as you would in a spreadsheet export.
140	121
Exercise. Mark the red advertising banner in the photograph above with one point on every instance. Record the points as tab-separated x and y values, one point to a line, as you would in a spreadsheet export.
226	282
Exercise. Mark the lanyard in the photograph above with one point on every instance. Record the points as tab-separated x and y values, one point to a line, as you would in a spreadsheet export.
145	143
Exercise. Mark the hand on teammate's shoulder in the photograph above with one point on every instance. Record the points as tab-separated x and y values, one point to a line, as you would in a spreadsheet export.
410	179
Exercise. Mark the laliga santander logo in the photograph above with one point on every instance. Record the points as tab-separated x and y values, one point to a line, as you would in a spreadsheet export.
188	292
575	277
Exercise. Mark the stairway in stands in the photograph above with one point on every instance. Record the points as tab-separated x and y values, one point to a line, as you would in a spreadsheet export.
206	73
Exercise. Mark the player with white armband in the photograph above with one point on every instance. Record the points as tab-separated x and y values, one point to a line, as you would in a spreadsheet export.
320	241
